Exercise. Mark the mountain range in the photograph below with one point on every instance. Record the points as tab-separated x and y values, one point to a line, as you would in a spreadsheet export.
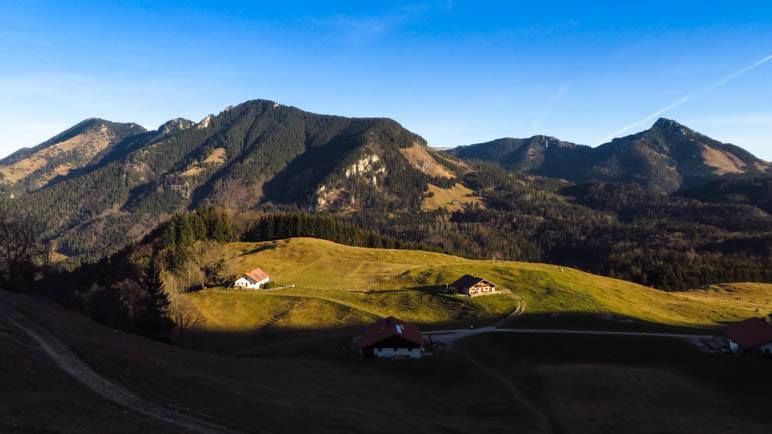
101	185
102	181
666	157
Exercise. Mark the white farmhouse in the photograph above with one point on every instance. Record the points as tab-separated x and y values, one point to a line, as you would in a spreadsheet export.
254	279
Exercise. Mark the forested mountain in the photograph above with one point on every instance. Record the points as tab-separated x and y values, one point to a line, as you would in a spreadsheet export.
261	157
257	153
78	147
666	157
756	192
620	230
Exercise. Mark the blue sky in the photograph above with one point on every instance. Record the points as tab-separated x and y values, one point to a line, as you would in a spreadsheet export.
456	72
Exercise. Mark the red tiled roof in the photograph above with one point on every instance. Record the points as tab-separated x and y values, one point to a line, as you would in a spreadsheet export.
750	333
257	275
389	327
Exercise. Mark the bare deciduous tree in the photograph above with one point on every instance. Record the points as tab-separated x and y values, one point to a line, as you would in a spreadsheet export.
21	246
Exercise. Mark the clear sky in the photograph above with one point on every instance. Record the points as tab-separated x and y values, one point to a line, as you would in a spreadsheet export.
456	72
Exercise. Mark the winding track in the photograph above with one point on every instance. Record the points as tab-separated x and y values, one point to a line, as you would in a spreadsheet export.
448	337
69	362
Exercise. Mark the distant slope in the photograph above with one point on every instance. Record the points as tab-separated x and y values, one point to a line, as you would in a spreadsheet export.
756	192
666	157
406	283
255	153
75	148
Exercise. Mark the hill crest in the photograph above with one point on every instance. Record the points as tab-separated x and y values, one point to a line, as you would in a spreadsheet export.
666	157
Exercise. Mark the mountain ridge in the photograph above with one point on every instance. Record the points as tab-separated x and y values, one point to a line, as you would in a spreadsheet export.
263	156
255	153
666	157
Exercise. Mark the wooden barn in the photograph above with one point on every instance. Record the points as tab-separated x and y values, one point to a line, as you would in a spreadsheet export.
391	338
750	334
473	286
254	279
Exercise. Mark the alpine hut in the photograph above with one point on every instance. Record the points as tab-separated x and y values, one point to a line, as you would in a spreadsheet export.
390	338
473	286
254	279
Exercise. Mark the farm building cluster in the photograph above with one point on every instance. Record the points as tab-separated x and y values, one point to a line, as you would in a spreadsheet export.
388	338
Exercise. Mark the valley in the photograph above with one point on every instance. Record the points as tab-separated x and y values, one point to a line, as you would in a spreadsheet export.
645	207
385	217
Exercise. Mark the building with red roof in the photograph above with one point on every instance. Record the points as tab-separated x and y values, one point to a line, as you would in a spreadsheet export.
750	334
255	279
392	338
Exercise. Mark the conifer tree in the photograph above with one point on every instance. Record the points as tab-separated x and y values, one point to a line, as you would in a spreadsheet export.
153	319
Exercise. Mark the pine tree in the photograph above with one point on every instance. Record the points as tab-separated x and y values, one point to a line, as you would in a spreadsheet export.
153	319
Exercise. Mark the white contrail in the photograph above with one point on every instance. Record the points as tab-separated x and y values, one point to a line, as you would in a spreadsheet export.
685	98
536	124
657	113
739	73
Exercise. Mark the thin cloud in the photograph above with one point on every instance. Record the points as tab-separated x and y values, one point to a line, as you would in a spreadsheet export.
731	77
561	92
648	118
685	98
363	28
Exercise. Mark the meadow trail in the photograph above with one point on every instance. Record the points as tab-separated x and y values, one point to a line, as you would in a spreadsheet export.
70	363
448	337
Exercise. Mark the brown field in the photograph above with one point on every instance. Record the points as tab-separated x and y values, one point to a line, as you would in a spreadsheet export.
217	156
37	397
420	158
90	144
452	199
313	383
722	162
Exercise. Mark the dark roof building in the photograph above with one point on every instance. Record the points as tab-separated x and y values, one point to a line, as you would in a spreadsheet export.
752	333
391	338
473	286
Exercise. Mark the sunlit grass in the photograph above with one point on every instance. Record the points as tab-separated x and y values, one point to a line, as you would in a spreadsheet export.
342	285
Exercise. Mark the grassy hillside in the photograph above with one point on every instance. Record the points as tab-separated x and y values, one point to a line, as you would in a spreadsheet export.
529	384
323	284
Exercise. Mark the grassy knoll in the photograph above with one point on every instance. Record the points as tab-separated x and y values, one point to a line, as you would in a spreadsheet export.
303	308
240	310
342	285
365	279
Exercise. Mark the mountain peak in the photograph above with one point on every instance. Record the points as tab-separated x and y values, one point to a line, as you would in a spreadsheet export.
177	124
665	122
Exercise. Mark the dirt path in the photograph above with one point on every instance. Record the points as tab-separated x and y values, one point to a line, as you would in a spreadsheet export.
521	305
448	337
69	362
